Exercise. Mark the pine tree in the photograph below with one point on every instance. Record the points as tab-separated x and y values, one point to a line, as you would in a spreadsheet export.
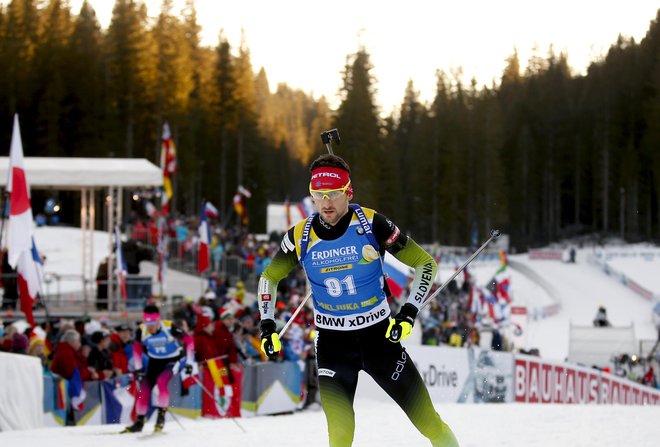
359	127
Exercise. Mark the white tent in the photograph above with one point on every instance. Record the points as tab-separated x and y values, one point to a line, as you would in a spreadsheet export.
80	173
89	175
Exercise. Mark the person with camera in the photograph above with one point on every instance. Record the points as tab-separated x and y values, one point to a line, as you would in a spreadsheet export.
340	249
164	345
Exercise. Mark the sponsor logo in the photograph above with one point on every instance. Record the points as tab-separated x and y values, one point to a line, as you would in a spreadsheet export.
439	377
336	268
359	230
326	372
352	321
370	302
347	306
363	221
400	364
335	252
394	236
326	174
324	224
265	297
265	307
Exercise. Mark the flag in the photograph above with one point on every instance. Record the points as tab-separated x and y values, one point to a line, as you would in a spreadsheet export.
287	212
218	372
190	379
239	207
216	380
168	165
112	407
151	209
397	275
203	259
120	267
77	392
60	394
244	191
211	211
503	280
22	251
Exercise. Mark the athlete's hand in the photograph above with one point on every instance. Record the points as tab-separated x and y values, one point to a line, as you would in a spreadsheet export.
270	340
401	326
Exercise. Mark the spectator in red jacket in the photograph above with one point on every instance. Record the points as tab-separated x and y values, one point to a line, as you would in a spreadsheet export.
118	342
213	339
68	357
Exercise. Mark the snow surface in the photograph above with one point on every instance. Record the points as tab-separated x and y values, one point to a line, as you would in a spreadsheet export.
582	287
384	425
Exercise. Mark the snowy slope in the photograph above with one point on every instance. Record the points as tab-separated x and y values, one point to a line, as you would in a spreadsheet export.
583	288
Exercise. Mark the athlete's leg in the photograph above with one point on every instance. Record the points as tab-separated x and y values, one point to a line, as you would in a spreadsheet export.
143	397
338	369
393	369
163	392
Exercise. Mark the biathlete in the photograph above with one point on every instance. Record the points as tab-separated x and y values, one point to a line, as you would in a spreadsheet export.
340	249
164	346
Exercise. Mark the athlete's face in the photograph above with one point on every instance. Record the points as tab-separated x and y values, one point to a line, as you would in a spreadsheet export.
152	326
331	210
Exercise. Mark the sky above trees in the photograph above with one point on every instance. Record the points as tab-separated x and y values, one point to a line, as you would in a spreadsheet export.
305	44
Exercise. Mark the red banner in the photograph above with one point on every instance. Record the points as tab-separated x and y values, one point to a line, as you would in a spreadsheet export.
538	381
226	401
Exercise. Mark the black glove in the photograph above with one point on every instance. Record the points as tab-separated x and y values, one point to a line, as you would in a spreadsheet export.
270	340
188	369
401	326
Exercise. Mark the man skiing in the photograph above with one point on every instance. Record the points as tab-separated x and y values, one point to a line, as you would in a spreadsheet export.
340	249
164	347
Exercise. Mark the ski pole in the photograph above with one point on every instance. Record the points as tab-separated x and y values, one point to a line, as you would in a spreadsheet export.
209	394
176	419
494	234
293	316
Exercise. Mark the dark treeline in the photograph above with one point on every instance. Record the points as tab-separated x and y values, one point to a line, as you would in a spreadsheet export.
542	154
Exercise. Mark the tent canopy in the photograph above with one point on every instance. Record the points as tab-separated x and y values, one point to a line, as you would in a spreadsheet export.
80	173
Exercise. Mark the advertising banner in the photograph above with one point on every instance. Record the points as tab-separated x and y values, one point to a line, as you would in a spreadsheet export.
542	381
455	375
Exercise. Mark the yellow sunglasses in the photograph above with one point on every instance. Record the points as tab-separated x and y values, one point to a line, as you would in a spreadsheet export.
330	194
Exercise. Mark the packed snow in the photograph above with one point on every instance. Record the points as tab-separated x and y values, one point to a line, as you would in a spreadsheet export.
384	425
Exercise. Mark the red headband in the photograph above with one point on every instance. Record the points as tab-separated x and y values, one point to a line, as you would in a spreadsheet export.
328	179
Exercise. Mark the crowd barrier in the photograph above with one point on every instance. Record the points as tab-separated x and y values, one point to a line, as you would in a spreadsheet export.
600	259
21	392
265	388
478	376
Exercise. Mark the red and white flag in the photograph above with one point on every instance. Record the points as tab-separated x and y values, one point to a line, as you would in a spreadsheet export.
243	190
211	211
203	253
22	252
